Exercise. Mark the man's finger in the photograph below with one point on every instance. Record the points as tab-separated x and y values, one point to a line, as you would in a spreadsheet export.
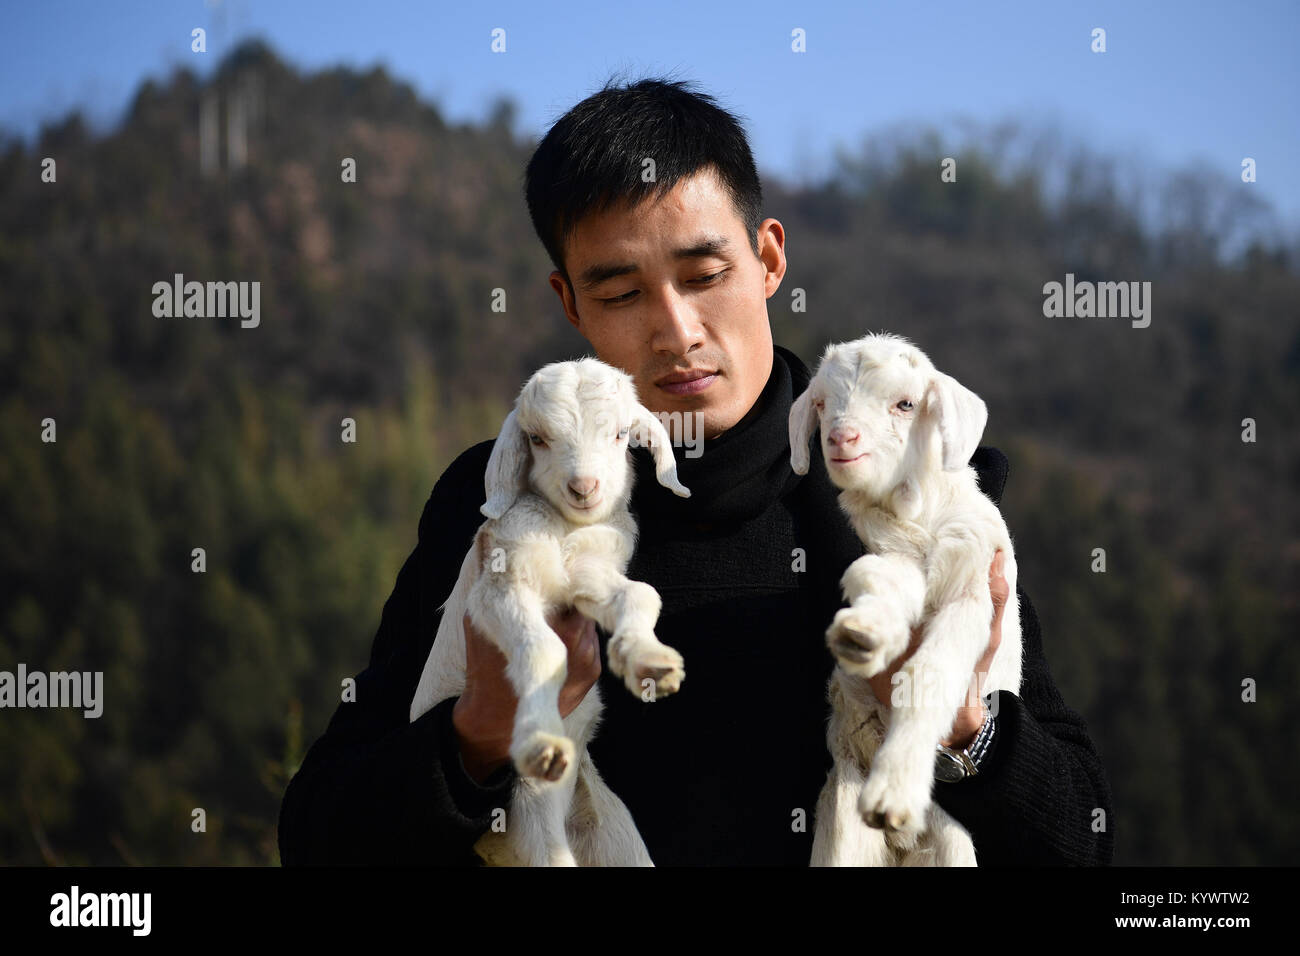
998	589
584	652
568	625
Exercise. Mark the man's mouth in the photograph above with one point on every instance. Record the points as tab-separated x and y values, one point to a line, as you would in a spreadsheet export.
690	382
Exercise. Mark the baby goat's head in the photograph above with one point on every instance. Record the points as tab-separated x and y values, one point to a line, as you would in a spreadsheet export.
880	403
568	438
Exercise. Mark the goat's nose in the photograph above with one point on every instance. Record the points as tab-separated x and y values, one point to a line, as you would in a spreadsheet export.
583	487
842	435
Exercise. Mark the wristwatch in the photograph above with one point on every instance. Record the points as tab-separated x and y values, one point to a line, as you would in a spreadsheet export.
950	765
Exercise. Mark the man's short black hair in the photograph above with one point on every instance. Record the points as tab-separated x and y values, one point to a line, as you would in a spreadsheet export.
593	157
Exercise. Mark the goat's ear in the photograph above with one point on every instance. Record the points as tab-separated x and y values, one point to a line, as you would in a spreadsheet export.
803	419
960	416
505	468
649	430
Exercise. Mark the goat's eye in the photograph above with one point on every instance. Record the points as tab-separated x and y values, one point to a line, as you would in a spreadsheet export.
905	406
818	404
537	440
622	434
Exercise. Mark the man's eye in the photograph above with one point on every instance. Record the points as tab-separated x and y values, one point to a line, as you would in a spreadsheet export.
905	406
627	296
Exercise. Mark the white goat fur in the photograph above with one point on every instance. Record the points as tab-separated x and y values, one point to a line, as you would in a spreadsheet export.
931	536
540	551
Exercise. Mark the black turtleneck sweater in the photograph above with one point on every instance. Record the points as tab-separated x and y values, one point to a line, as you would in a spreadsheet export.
724	771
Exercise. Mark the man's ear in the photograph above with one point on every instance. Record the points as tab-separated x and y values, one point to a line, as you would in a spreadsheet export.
959	415
803	419
568	300
505	475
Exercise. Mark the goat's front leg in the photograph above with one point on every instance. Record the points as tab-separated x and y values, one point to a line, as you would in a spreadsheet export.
536	664
629	610
886	595
928	690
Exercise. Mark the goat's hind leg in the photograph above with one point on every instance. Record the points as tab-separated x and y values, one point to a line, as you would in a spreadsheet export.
536	824
601	829
951	841
840	837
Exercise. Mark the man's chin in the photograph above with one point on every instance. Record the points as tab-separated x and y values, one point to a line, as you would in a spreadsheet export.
705	412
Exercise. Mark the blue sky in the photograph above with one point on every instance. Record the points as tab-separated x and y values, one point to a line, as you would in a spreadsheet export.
1181	82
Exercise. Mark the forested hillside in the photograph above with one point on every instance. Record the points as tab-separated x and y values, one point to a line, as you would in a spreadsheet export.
376	305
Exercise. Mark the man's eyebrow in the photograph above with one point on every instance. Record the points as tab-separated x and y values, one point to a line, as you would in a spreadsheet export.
594	275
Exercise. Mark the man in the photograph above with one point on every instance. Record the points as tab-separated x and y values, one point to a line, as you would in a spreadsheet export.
668	280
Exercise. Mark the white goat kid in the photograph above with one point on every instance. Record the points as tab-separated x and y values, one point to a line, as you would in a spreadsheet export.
897	436
559	534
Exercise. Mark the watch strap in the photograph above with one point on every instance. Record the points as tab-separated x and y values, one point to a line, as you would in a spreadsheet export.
980	747
972	758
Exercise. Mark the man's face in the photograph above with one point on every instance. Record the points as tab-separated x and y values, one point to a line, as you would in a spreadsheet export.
671	289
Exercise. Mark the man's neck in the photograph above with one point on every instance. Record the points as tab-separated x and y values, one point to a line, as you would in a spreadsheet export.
759	403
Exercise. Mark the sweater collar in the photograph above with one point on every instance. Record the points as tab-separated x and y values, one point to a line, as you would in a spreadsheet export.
737	474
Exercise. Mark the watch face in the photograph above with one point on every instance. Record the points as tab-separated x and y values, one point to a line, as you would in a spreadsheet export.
947	768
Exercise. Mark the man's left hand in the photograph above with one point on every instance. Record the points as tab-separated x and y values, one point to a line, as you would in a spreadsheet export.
970	717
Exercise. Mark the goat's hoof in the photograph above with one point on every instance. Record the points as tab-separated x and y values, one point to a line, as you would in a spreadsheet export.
649	669
880	820
656	672
885	810
544	756
861	645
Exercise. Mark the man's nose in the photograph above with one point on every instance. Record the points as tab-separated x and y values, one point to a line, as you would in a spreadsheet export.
678	329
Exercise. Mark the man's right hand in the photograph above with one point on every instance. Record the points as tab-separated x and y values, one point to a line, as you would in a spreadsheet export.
484	716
